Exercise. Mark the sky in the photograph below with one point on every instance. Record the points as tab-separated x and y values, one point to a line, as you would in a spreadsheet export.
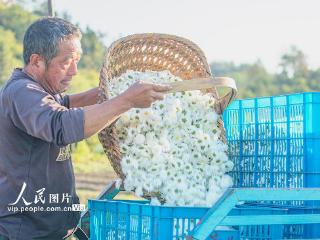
242	31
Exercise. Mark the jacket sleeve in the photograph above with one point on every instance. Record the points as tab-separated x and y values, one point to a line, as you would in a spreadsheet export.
37	113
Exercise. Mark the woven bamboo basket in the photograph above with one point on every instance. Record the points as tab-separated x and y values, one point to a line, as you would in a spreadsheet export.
155	52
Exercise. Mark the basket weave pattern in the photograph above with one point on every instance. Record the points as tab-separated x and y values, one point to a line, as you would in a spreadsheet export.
154	52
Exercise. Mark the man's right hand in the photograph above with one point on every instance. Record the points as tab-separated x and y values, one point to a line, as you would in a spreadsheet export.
142	95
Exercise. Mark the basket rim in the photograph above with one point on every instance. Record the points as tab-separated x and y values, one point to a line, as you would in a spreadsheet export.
163	36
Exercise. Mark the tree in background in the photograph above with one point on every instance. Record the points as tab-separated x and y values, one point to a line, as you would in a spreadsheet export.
252	79
10	54
14	20
93	49
295	73
294	63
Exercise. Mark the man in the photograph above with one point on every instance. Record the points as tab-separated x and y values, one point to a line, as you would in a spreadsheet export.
37	125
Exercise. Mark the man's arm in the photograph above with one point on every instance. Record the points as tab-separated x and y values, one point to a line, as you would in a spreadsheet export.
83	99
37	113
139	95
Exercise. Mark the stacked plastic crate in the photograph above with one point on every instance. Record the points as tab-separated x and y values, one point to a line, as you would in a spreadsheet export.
274	142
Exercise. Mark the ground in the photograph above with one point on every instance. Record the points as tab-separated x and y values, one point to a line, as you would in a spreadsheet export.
89	185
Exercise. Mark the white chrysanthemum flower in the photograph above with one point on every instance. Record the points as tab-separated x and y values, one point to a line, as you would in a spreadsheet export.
139	191
226	181
139	139
155	202
173	147
118	183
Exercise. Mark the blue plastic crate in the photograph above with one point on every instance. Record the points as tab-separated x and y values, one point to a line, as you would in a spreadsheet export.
295	231
260	232
124	220
274	143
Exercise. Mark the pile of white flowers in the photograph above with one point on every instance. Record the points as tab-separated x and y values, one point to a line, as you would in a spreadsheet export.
173	147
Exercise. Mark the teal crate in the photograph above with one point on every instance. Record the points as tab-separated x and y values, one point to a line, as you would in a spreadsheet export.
117	220
292	231
259	232
274	143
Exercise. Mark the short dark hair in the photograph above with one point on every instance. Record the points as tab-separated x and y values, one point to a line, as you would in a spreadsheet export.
44	36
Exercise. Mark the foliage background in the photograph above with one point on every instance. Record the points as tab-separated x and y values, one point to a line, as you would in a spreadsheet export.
253	80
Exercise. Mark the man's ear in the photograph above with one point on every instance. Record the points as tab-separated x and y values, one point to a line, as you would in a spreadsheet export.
36	61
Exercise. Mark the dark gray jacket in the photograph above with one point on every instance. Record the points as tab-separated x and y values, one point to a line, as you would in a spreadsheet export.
36	129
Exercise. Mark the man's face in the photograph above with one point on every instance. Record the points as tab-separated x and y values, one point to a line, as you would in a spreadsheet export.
58	73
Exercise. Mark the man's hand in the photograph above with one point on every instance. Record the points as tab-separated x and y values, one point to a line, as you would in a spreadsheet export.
142	95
